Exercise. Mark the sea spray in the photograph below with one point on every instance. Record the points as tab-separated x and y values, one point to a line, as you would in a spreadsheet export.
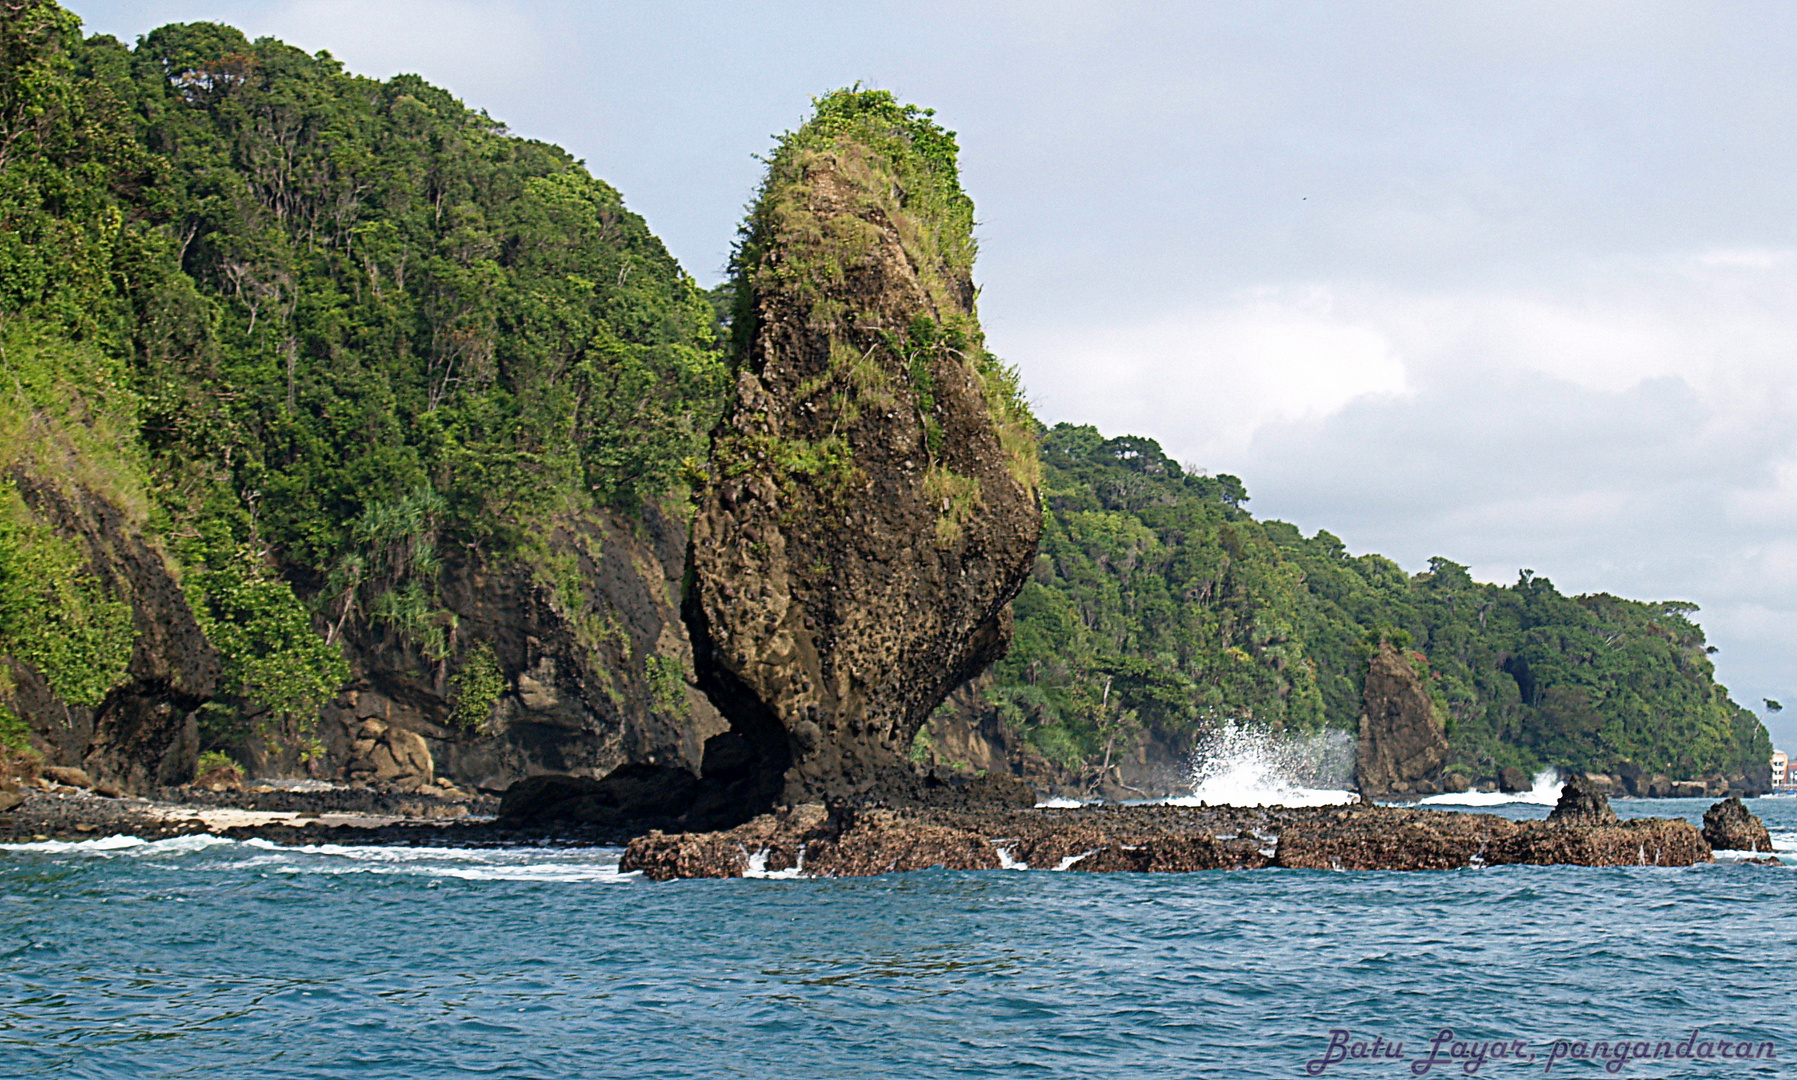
1242	765
1545	792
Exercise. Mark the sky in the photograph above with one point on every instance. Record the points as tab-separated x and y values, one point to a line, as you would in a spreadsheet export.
1512	283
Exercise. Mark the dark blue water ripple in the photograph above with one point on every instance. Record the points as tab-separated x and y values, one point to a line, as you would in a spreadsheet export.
236	961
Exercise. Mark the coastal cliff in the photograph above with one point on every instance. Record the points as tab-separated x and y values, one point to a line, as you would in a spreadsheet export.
569	660
871	507
103	663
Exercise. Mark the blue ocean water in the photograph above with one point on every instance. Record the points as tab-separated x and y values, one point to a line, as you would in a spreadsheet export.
216	959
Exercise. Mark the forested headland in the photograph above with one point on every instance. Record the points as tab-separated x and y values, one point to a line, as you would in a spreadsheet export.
329	406
1161	606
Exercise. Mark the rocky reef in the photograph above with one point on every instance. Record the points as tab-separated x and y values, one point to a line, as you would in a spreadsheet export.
871	509
847	841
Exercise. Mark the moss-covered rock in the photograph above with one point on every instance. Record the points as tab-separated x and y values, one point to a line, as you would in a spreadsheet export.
870	510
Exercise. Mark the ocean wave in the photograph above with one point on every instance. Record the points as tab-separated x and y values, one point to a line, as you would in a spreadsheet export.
467	864
1239	765
1545	792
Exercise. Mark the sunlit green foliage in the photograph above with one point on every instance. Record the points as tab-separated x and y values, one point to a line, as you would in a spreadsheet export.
477	686
67	432
863	174
1156	583
344	323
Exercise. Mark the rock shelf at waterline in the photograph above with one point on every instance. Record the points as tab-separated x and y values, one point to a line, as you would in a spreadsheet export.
850	841
961	829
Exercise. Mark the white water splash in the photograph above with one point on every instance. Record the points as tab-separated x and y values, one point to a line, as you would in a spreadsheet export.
1546	792
1237	765
122	845
467	864
758	866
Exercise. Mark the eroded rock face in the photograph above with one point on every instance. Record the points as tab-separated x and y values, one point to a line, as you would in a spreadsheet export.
871	511
590	673
142	735
1730	826
1402	746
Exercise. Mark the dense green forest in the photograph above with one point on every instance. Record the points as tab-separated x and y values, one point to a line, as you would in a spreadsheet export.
326	327
314	332
1160	605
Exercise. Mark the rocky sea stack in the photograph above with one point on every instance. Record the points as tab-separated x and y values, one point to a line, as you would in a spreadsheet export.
1402	743
1730	826
871	509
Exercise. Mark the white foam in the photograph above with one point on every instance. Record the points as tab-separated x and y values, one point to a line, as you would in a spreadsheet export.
467	864
1239	765
113	845
1059	803
1545	792
758	867
1067	862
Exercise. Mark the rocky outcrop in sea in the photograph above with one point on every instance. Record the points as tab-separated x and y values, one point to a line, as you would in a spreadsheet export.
870	511
850	841
1402	744
1730	826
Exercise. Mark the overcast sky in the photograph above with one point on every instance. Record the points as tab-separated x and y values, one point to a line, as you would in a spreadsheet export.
1513	283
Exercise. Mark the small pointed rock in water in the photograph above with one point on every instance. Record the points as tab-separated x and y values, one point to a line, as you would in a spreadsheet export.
1582	803
1730	826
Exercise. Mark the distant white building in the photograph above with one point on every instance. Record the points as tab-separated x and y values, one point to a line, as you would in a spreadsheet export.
1780	766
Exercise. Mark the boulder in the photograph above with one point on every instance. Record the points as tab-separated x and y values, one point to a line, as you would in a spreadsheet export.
1582	802
1730	826
1402	744
64	774
1513	780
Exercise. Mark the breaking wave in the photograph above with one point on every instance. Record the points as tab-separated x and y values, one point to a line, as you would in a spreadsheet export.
1240	765
1546	792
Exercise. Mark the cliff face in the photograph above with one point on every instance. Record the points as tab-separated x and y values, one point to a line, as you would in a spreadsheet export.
132	727
871	510
1402	746
579	665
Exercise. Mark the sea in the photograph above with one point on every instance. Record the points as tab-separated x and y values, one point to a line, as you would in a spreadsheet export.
204	957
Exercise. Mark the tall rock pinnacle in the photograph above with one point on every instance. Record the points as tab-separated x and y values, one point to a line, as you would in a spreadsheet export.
871	506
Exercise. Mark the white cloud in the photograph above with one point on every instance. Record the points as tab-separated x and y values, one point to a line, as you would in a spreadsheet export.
479	51
1628	426
1216	376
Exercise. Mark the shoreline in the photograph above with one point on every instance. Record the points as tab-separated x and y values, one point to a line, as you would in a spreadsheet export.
876	837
